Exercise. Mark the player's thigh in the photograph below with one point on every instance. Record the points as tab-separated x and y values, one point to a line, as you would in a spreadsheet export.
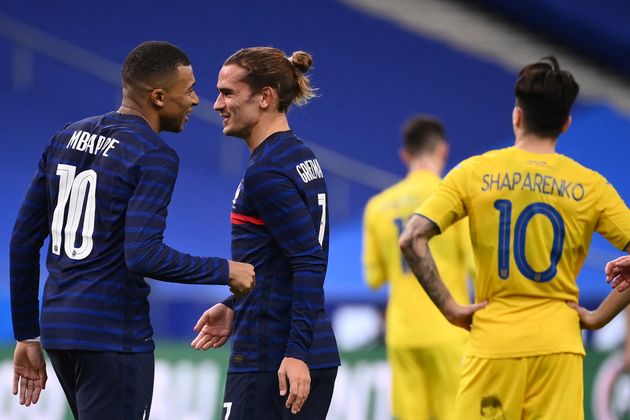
444	366
114	385
410	398
257	395
252	394
65	369
319	398
555	388
491	388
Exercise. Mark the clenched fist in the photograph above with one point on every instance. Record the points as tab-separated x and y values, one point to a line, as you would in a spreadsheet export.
242	278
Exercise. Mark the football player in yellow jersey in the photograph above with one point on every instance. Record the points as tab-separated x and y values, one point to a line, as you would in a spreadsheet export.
424	350
532	213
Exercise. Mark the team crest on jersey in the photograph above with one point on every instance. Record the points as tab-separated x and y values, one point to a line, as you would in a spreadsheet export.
491	408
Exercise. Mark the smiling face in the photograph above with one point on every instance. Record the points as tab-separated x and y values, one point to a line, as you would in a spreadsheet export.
238	106
178	99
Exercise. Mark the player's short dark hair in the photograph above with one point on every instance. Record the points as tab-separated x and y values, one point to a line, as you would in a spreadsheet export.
545	94
422	133
151	62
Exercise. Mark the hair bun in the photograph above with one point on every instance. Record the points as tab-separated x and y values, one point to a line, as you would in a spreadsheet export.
301	60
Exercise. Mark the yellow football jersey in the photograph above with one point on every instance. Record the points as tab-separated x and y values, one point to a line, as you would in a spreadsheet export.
531	216
412	319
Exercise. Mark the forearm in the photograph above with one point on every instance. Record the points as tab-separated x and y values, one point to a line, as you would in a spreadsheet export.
614	303
229	301
423	266
161	262
29	233
306	302
414	244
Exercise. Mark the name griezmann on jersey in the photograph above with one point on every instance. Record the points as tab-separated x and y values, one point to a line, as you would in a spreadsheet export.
94	144
309	170
545	184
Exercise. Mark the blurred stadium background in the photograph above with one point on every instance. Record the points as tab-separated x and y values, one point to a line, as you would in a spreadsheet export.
376	63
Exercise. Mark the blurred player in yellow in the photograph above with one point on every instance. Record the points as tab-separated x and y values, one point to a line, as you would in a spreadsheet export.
424	350
532	213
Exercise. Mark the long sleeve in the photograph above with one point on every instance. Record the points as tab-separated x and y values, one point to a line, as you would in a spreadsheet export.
145	253
29	232
285	214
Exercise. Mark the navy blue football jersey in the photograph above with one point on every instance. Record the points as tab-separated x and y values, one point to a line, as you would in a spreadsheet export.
101	192
280	225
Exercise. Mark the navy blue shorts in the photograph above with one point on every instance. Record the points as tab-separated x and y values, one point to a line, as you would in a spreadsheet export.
105	385
256	395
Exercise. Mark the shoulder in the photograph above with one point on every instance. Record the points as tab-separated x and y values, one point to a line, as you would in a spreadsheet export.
488	157
576	167
290	157
385	197
289	152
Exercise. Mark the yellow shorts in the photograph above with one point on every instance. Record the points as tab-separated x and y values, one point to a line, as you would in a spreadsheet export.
424	381
546	387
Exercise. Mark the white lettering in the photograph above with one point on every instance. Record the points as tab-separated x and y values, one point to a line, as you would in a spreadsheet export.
73	140
93	144
309	170
110	146
90	144
82	143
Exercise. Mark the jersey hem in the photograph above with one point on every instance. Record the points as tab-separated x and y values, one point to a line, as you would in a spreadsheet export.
274	369
519	354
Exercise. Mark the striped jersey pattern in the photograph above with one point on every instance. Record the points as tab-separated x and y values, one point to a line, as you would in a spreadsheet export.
101	192
280	225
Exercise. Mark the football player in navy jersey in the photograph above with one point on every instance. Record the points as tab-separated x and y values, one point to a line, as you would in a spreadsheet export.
283	347
101	192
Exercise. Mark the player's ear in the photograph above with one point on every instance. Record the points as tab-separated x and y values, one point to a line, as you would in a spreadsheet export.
267	97
567	124
404	156
443	150
517	117
157	97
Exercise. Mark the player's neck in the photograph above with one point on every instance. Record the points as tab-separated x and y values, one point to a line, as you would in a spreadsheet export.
536	144
425	163
131	107
266	126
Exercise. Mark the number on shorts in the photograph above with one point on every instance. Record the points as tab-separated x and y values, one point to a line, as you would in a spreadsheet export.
228	410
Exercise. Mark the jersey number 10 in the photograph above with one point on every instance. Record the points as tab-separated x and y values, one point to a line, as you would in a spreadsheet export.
520	232
75	189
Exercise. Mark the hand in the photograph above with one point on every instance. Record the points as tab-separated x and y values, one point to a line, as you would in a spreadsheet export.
299	376
588	320
29	371
618	273
462	316
214	327
242	278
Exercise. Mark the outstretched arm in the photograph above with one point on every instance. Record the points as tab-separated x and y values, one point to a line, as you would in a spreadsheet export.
618	275
414	243
607	310
145	222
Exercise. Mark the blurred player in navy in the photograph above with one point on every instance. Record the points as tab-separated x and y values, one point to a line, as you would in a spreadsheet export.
283	349
101	192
